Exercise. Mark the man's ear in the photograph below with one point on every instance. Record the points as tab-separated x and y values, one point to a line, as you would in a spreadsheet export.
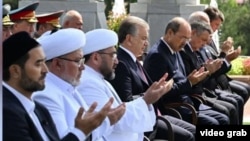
56	63
66	24
129	39
15	71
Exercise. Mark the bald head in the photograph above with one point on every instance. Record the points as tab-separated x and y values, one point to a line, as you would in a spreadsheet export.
177	33
72	19
175	24
198	16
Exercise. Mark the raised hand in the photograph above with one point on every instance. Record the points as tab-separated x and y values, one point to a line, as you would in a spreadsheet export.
158	89
197	76
90	120
233	54
115	114
213	65
227	45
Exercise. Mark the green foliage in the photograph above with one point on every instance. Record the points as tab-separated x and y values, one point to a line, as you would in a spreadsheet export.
237	67
236	22
205	1
115	21
108	8
240	66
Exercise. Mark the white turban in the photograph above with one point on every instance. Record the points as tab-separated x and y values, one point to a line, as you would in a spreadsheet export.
62	42
99	39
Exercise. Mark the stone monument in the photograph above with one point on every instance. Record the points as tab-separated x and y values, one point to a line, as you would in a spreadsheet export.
91	10
118	8
158	12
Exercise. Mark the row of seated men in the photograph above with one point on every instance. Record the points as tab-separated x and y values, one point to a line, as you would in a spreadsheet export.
182	57
189	56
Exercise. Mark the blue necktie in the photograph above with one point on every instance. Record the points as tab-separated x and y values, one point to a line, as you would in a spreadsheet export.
178	63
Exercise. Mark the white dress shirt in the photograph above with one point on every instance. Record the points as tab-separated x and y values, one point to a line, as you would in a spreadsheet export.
63	102
215	38
29	107
138	117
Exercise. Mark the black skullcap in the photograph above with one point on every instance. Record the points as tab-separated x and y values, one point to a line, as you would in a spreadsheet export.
16	46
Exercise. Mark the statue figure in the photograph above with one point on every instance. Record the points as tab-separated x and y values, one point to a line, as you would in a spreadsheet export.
118	8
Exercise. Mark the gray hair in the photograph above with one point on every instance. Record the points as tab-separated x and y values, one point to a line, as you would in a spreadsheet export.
130	26
200	27
198	16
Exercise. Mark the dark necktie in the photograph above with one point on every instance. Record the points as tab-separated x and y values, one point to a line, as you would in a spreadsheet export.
199	59
141	72
89	138
178	63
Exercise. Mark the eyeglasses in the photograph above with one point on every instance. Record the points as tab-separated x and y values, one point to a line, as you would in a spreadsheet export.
78	62
113	55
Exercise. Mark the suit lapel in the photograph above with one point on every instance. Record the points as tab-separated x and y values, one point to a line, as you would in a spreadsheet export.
193	56
123	55
205	54
163	47
190	54
32	128
46	122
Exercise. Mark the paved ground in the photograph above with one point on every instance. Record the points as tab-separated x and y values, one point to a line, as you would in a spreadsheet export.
247	112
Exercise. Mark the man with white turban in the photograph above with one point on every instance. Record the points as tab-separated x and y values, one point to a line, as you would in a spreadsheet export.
100	55
64	55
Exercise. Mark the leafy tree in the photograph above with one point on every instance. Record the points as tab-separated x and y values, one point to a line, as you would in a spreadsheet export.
236	22
205	1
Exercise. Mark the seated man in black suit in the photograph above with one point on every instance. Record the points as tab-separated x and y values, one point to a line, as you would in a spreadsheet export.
24	70
227	52
213	83
164	57
201	31
132	80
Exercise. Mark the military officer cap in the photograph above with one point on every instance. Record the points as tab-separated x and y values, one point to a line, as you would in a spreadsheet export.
51	18
25	13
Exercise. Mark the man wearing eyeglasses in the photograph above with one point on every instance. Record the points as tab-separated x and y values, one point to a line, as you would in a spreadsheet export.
64	55
131	80
164	57
101	61
24	72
